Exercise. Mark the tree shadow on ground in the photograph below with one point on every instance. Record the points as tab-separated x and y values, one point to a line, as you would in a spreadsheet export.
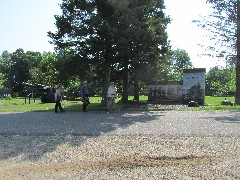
231	118
33	147
31	135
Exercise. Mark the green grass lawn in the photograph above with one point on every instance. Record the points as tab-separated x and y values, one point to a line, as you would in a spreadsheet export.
19	105
217	100
22	105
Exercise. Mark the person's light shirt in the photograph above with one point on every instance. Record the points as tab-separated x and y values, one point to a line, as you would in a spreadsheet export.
111	92
57	93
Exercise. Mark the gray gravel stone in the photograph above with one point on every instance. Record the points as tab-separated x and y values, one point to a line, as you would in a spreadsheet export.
190	123
126	145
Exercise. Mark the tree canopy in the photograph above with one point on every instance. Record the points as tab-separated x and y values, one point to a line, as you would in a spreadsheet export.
224	25
180	60
113	39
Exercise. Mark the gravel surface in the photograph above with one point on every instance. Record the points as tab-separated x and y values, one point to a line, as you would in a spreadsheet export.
133	145
197	123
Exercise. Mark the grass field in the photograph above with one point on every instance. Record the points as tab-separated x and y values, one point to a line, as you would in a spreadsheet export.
20	105
217	100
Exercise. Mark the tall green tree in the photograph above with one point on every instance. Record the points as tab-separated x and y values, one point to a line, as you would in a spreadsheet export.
84	39
5	68
43	69
20	70
2	78
220	82
148	45
237	97
180	60
113	37
224	25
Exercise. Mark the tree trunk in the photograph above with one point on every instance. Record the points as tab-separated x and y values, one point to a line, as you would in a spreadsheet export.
106	83
136	85
237	97
125	82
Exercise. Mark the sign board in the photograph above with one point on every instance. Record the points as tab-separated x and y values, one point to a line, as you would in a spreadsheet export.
191	88
194	85
165	91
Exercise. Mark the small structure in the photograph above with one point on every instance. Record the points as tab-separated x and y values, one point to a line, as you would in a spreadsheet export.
191	88
165	92
194	85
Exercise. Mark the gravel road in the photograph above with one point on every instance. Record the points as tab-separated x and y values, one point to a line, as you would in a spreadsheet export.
125	145
196	123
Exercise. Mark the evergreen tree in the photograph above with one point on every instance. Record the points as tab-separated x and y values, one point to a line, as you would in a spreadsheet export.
109	38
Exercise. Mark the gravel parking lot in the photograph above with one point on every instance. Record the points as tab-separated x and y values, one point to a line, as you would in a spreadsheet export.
196	123
126	145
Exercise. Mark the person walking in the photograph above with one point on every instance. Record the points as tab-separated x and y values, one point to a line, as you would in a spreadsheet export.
111	96
58	98
85	96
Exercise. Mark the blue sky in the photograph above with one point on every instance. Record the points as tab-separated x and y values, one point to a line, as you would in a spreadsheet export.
25	23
